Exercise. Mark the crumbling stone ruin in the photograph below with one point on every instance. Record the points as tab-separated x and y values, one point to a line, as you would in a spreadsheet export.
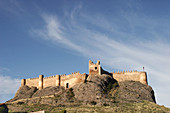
69	81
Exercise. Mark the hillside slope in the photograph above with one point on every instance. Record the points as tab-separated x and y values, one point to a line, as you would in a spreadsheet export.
97	91
142	107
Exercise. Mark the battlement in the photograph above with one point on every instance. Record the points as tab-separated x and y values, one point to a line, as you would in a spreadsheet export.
76	77
130	75
33	78
50	77
55	80
131	71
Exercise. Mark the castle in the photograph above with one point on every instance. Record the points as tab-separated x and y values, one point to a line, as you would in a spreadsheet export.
69	81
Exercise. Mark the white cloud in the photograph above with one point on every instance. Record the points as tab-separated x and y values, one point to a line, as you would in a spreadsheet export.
114	47
8	87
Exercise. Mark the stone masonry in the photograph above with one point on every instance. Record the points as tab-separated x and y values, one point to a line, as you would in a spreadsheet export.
69	81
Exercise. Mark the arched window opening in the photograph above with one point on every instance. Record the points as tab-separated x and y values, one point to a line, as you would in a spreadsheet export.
67	85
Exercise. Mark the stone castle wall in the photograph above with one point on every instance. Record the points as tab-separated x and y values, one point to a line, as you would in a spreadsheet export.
58	80
132	75
50	81
32	82
72	79
69	81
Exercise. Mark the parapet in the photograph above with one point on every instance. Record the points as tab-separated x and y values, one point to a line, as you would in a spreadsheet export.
131	71
76	77
57	80
130	75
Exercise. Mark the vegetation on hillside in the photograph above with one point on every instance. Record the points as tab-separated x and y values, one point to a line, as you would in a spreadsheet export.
143	107
97	94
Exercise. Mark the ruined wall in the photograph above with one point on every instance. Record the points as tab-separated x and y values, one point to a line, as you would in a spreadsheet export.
69	81
135	76
94	69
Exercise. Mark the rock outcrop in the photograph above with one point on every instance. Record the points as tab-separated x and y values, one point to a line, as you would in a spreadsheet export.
96	90
49	91
131	91
24	92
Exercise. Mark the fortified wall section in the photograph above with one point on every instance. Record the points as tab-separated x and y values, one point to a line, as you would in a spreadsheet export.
58	80
32	82
72	79
69	81
50	81
132	75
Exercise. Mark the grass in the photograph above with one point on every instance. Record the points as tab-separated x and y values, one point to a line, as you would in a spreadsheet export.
143	107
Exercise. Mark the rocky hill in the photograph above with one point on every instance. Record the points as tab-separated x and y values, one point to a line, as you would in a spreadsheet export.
96	91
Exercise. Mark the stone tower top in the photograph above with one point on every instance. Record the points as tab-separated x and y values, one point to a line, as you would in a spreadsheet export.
94	69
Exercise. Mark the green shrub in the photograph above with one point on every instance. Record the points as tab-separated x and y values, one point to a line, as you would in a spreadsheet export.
63	111
71	92
105	104
115	85
19	103
93	103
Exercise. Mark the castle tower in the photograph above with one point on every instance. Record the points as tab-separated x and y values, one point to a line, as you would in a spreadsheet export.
143	78
41	81
94	69
57	80
23	82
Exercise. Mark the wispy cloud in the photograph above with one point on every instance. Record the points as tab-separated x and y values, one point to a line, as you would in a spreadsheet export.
2	69
8	87
55	32
100	38
12	7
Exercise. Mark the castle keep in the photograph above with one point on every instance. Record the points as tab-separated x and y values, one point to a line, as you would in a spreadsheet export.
70	80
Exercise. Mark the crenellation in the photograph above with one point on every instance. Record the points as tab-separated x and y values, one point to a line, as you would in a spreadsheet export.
135	76
49	77
74	78
120	72
62	75
33	78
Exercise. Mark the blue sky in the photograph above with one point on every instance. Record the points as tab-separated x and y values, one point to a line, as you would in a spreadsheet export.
60	37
